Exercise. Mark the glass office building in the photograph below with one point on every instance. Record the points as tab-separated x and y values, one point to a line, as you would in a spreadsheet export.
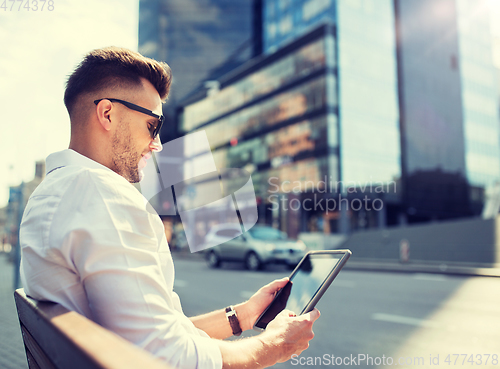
286	20
279	116
194	38
367	77
369	116
393	99
199	40
447	110
368	113
448	106
479	93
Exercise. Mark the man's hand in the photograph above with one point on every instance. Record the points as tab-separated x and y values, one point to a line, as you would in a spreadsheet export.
249	311
289	334
216	324
285	336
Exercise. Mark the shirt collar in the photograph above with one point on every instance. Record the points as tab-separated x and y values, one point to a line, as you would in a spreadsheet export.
70	157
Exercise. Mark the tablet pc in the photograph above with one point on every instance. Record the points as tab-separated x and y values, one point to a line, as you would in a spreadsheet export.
308	282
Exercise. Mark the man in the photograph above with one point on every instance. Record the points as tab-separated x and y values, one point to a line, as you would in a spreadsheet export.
90	244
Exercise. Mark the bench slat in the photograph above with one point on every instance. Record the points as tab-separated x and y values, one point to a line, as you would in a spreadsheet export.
38	356
72	341
31	360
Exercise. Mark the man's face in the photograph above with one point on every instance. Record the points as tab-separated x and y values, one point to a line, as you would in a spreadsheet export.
132	143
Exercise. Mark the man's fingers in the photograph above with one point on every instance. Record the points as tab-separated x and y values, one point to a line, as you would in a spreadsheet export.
315	314
286	313
276	285
312	315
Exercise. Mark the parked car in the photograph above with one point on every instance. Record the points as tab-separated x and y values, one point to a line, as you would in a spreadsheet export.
259	246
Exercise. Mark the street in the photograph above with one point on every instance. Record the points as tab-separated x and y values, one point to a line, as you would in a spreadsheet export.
409	320
421	319
12	354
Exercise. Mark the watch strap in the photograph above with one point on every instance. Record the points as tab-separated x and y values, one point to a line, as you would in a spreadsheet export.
233	320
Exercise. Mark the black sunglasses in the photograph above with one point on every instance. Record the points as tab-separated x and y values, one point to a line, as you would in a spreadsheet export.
152	131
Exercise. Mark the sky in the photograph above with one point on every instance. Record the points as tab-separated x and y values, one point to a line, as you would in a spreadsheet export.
39	49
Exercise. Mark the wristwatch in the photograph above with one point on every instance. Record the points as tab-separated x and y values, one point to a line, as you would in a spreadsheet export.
233	320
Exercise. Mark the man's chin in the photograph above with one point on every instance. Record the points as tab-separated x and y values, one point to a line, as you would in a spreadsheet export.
134	177
140	175
143	162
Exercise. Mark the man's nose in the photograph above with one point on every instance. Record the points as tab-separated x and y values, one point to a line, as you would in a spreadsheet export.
155	145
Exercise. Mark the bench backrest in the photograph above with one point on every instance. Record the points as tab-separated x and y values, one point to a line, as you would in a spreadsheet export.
56	338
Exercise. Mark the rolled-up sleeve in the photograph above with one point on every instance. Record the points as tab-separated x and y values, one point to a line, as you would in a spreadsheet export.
119	250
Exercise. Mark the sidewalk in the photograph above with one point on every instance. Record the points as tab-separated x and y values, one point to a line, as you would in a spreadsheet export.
381	265
12	354
421	267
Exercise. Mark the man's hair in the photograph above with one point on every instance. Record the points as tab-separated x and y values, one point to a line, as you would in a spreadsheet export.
115	67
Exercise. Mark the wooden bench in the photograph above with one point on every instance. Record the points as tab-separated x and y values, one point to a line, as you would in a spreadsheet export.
56	338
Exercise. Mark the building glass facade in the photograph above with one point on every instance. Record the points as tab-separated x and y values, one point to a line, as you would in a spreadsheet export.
266	114
279	116
199	40
479	93
282	72
364	133
286	20
273	117
368	99
398	92
448	107
195	39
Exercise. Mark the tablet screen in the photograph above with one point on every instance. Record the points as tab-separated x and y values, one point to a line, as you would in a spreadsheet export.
304	283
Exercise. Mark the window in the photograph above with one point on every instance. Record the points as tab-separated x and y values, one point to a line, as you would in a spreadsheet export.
286	25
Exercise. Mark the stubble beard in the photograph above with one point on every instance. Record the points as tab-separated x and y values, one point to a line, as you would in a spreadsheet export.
125	158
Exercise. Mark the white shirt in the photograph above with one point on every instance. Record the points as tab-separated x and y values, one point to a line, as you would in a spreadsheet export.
89	243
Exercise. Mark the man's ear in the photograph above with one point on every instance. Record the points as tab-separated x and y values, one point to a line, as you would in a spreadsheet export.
103	110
